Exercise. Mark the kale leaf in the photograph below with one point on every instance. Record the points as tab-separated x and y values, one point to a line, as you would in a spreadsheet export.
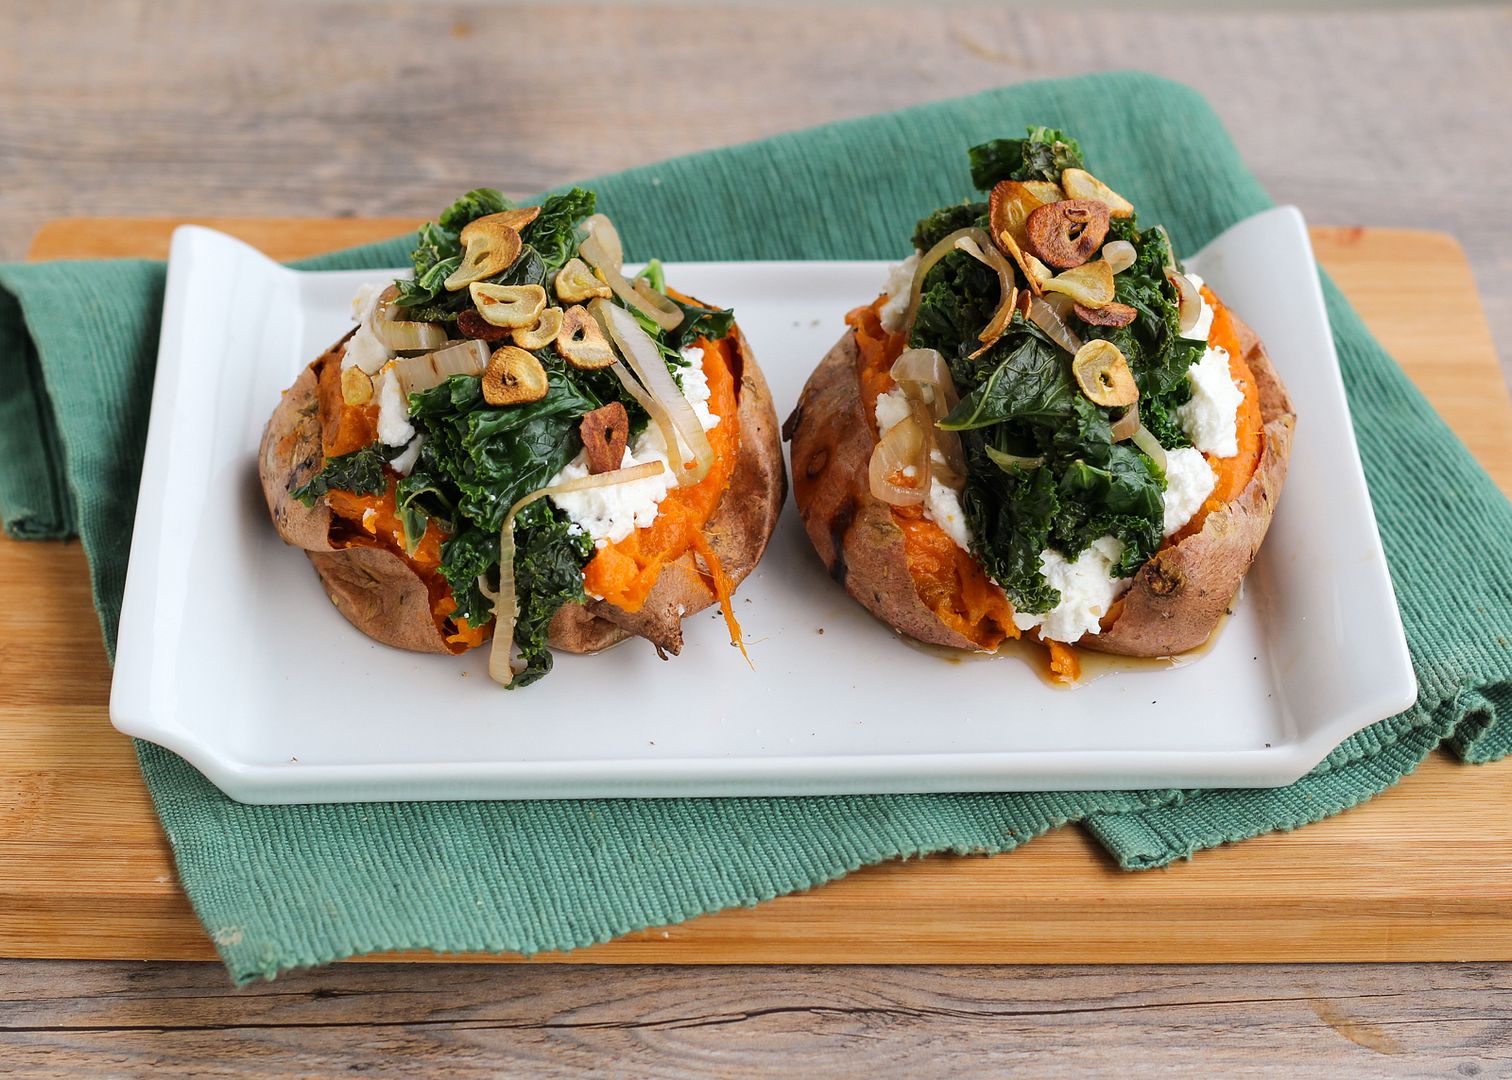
477	461
1043	155
554	232
480	202
438	250
491	457
1158	414
1120	495
958	299
1030	379
700	322
550	554
359	472
1010	516
549	558
438	246
946	220
468	558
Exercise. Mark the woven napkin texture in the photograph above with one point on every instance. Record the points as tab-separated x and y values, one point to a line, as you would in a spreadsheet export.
290	886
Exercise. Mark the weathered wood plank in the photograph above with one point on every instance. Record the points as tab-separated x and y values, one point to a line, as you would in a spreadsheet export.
1316	1022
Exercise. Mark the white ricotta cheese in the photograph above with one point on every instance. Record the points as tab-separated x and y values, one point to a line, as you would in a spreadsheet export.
695	387
1189	481
609	514
892	407
404	464
1087	591
364	350
1211	418
942	505
394	428
1204	325
898	289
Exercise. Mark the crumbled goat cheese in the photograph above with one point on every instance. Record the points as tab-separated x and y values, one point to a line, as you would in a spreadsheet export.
1087	590
1211	417
898	289
404	464
609	514
363	349
1189	481
394	428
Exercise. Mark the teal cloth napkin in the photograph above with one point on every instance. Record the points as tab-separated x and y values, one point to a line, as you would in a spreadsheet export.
291	886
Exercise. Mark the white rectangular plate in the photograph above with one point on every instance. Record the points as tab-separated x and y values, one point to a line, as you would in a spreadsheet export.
231	655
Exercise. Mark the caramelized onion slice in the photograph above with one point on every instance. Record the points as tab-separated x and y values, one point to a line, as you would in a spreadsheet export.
980	247
926	264
1127	424
645	359
926	380
506	608
1044	316
398	335
1145	439
1119	255
1189	298
601	249
416	373
903	445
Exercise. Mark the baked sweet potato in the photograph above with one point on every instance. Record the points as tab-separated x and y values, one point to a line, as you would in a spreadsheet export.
738	532
385	597
1176	599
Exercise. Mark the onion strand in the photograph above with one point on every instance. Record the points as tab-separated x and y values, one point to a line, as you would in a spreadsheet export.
926	264
980	247
602	250
1008	462
645	359
925	378
901	446
1044	316
1145	439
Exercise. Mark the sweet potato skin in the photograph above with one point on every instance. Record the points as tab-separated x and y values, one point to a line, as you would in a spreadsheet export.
1176	599
852	530
381	595
1180	594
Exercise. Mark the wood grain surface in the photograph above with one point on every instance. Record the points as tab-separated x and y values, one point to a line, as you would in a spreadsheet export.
1309	1023
1421	873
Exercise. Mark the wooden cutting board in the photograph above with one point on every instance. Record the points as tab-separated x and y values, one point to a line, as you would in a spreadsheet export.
1423	872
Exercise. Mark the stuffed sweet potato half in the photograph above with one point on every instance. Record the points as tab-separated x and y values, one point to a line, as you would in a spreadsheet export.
1043	427
521	443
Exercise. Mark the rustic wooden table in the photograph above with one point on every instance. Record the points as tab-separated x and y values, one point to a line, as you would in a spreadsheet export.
331	109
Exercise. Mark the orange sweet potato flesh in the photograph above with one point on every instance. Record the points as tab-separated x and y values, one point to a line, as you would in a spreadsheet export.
624	573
